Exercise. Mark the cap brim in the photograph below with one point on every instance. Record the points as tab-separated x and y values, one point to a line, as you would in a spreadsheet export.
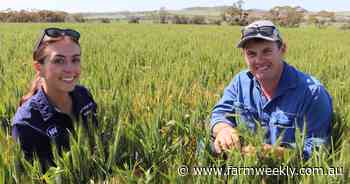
244	40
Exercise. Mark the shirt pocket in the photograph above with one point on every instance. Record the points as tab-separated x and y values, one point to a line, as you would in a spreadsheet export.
281	119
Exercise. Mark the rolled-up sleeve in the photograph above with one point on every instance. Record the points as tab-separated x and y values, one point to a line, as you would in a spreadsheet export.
318	121
222	110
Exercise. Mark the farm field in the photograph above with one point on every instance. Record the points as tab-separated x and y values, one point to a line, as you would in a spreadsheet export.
155	86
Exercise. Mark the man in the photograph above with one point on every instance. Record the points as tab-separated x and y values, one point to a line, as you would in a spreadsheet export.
272	93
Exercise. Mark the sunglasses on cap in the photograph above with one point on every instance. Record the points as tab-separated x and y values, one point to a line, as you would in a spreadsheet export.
52	33
263	30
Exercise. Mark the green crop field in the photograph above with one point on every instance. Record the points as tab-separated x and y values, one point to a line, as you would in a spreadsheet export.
155	86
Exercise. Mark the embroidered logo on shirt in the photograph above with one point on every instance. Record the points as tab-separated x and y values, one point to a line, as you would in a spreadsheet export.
86	109
283	119
52	131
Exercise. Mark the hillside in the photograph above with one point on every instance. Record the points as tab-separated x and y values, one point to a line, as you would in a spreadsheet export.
191	11
204	11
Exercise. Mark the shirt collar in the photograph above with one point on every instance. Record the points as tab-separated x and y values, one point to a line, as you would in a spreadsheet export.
41	103
287	81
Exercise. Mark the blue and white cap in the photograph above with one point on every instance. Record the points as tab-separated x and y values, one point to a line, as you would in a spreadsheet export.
263	29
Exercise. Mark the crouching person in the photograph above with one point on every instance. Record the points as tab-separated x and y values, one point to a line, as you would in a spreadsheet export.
55	102
272	93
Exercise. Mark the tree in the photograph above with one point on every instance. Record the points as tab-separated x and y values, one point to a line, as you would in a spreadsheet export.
198	20
134	20
322	18
105	20
178	19
326	14
239	5
287	16
163	16
33	16
235	15
78	18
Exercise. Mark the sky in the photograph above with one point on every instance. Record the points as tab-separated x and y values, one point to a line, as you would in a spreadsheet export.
141	5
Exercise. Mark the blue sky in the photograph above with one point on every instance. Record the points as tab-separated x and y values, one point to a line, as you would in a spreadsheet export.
138	5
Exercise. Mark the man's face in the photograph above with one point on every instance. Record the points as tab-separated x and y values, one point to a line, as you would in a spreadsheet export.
264	59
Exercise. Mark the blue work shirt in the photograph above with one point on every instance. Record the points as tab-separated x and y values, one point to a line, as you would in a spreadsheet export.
299	99
37	123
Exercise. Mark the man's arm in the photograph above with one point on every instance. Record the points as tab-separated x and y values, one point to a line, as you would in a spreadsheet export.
225	107
222	126
318	116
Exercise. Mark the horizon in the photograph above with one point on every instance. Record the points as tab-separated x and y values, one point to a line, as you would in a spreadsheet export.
93	6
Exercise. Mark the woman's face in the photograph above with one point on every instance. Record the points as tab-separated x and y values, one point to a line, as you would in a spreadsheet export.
61	68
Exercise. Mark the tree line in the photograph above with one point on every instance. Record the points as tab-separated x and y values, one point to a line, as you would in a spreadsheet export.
286	16
39	16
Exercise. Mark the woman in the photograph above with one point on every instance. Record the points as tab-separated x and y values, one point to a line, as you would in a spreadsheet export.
46	114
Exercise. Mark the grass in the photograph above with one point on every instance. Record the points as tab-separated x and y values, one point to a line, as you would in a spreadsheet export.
155	86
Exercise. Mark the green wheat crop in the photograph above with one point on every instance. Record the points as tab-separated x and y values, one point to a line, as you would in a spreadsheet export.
155	86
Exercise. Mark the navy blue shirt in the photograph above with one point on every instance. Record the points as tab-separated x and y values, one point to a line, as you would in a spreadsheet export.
37	123
298	98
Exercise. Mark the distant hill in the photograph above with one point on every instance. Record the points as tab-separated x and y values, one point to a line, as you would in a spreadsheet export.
344	13
214	12
204	11
215	8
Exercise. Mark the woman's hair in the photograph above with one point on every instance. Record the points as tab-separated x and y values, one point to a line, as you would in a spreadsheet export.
39	56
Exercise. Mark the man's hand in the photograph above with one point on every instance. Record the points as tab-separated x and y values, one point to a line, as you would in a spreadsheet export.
278	151
248	150
226	137
265	149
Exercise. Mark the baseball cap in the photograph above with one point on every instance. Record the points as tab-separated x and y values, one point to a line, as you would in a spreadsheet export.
263	29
